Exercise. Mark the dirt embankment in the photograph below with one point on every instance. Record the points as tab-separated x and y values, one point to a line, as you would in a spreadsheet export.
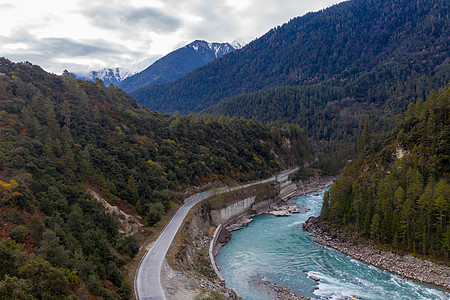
404	265
128	224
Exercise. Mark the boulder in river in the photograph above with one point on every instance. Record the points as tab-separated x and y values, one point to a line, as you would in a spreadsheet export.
279	213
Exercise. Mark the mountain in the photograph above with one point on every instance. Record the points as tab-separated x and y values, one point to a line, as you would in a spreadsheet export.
62	138
177	64
107	75
372	54
116	75
397	193
239	43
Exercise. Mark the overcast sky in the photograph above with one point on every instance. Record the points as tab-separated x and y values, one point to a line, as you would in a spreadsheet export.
80	35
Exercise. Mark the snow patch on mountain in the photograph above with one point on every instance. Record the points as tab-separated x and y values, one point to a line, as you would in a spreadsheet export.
107	75
240	43
219	49
118	74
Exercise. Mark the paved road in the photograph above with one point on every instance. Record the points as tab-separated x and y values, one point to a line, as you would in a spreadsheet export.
147	282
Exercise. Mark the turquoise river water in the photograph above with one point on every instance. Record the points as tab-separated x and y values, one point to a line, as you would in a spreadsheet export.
277	249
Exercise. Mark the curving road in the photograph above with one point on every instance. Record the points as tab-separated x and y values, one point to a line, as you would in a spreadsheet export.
147	282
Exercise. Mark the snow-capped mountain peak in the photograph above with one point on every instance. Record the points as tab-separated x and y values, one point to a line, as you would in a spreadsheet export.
219	49
107	75
118	74
240	43
204	53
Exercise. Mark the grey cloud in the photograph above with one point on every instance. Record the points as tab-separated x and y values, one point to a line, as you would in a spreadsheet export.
62	46
5	6
219	21
224	23
152	18
70	48
127	19
49	65
48	52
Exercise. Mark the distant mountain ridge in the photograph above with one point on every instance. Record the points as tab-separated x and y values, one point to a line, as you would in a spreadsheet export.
374	51
107	75
117	74
177	64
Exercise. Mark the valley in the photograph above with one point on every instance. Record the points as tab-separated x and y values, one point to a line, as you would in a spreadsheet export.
153	181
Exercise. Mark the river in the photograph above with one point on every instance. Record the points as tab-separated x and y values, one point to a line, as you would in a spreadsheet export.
277	249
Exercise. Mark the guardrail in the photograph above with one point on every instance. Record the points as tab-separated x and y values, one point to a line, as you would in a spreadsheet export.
206	194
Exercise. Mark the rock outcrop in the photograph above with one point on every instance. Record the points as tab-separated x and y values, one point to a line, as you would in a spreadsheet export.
285	209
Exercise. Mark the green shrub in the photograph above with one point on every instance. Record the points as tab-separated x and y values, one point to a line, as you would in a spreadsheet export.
19	233
15	217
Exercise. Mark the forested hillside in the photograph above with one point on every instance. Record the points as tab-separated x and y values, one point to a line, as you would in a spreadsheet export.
60	136
397	192
325	70
375	51
318	109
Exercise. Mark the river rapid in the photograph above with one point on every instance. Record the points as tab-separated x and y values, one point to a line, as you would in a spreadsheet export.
278	250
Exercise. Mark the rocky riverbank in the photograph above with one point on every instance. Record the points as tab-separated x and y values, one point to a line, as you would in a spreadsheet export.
403	265
277	291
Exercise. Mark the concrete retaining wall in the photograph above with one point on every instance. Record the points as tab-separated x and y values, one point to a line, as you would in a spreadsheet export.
211	254
287	191
283	184
261	206
220	216
281	178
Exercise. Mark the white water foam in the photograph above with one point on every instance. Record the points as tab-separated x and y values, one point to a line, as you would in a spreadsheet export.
337	289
